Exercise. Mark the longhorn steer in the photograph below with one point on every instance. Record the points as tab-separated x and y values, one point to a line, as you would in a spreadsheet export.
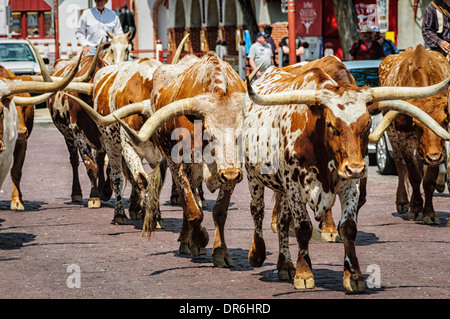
118	50
81	134
322	137
208	89
25	116
116	86
9	121
413	144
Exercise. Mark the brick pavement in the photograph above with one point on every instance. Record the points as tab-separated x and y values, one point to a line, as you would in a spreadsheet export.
39	244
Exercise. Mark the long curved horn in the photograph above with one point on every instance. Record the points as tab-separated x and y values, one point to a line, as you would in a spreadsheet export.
387	119
186	106
80	87
176	57
87	76
131	109
44	70
403	93
25	101
411	110
252	75
46	77
16	87
289	97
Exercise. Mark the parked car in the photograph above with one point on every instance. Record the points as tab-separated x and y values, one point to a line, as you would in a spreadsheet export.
18	56
365	72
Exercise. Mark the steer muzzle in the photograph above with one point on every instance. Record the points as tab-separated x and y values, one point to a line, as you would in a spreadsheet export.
230	175
352	170
434	159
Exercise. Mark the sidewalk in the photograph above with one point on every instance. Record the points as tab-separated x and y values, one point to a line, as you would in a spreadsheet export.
42	118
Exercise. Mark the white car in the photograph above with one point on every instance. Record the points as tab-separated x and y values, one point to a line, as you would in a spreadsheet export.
365	72
18	56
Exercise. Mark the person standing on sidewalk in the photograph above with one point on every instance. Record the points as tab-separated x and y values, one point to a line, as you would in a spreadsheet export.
93	25
260	51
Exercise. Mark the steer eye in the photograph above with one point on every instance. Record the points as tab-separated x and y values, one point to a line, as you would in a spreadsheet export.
332	129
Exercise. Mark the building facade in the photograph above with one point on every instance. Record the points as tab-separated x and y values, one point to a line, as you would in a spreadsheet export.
208	21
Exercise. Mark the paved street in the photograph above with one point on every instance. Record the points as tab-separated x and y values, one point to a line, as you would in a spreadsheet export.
42	246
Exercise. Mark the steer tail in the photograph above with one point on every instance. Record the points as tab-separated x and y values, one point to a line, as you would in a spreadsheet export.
153	214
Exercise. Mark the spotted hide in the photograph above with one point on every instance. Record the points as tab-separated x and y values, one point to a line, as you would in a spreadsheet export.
306	136
114	87
81	135
413	144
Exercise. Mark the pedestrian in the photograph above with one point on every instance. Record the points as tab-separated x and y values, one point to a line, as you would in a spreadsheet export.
271	41
389	47
436	26
299	49
259	52
93	25
366	48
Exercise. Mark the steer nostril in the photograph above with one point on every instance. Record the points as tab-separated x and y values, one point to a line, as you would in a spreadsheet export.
435	158
355	171
223	177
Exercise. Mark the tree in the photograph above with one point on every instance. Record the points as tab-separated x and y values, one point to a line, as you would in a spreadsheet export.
249	17
347	22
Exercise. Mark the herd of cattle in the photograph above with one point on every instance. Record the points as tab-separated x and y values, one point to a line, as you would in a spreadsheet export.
301	131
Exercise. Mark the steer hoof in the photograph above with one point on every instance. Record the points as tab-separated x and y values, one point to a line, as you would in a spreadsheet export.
196	250
440	188
354	285
174	200
402	208
415	216
431	220
135	215
94	202
17	206
184	249
300	283
222	259
120	220
286	274
77	198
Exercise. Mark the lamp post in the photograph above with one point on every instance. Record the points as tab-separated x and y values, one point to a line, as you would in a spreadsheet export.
56	25
291	35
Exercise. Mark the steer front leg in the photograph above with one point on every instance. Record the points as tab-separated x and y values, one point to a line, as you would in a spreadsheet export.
257	253
221	255
193	235
353	278
429	185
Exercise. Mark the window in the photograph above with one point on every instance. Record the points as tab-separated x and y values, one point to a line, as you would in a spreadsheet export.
15	52
33	24
16	28
48	28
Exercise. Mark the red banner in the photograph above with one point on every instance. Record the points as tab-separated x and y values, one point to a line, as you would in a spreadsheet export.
308	18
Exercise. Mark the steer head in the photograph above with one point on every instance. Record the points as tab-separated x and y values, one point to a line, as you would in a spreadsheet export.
343	118
346	125
430	146
118	50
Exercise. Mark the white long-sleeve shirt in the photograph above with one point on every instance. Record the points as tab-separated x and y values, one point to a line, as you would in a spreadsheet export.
93	25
